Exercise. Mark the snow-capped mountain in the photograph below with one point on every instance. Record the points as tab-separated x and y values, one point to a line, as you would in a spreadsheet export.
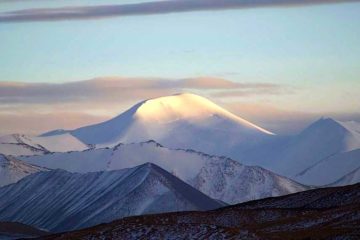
12	169
19	144
322	153
58	200
218	177
177	121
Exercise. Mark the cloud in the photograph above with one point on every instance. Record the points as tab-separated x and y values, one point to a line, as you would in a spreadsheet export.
254	91
34	123
119	89
220	83
147	8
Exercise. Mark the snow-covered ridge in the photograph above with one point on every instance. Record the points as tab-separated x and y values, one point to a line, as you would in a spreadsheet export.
20	144
58	200
218	177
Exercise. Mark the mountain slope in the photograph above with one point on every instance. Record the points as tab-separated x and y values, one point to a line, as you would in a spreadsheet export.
233	182
58	200
331	169
329	213
323	140
18	144
177	121
218	177
350	178
12	170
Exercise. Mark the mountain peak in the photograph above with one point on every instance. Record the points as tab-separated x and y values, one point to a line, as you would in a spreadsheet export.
324	123
174	107
186	106
183	120
330	124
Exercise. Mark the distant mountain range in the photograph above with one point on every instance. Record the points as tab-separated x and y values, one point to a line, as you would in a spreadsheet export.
328	213
315	156
321	154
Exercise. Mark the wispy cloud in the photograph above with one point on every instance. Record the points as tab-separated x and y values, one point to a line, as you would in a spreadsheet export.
119	89
147	8
32	122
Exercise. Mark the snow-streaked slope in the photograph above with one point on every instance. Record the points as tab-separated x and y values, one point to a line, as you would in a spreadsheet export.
58	200
19	144
330	169
177	121
321	140
353	137
219	177
233	182
12	170
350	178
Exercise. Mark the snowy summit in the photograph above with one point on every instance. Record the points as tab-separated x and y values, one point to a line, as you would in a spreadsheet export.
177	121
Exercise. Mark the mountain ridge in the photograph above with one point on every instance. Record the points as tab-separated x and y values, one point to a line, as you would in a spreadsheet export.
58	200
193	167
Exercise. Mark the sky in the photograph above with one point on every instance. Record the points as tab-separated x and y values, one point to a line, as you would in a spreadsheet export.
279	63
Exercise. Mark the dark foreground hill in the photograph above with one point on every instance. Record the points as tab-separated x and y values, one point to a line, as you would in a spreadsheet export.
328	213
14	230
